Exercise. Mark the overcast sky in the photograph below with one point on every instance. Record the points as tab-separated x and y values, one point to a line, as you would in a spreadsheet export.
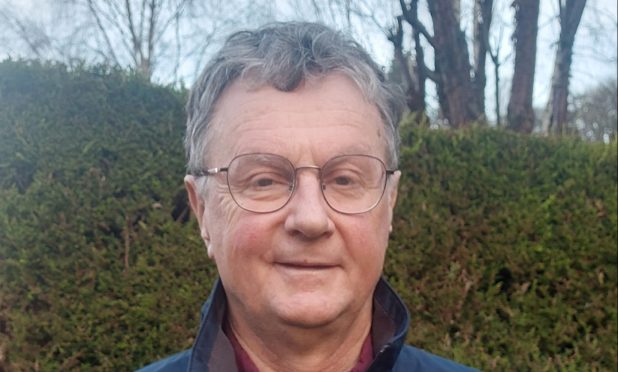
594	60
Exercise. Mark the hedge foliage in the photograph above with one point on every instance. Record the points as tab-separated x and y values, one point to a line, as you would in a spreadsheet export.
99	268
504	246
505	249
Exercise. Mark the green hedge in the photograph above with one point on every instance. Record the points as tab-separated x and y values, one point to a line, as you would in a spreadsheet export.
505	249
98	267
504	246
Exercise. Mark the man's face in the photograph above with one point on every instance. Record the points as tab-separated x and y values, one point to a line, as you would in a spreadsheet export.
304	265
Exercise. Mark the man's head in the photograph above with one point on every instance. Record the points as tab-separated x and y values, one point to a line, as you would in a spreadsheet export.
295	130
283	55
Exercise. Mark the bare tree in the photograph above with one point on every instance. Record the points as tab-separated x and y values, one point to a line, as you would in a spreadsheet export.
495	43
520	113
396	37
456	91
483	10
16	29
415	74
497	61
570	14
141	27
457	81
146	35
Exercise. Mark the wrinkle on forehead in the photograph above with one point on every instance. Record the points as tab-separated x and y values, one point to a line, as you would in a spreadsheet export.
247	117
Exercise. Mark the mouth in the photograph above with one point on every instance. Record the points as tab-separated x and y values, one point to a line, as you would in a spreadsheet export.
305	266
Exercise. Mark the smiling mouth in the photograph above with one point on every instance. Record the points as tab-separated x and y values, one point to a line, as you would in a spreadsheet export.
305	266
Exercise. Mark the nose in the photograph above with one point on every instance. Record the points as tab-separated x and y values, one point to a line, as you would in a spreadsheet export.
308	213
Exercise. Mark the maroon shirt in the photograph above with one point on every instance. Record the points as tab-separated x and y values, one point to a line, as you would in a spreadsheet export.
245	364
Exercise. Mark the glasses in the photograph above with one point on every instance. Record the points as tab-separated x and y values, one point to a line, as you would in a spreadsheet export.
264	183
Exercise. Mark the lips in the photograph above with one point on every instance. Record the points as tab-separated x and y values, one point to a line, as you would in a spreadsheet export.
306	265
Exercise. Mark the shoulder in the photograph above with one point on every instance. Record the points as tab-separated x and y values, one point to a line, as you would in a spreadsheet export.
177	362
414	359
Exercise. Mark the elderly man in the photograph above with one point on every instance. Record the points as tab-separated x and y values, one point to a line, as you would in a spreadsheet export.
292	150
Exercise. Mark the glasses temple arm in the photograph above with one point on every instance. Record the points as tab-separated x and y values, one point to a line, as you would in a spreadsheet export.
208	172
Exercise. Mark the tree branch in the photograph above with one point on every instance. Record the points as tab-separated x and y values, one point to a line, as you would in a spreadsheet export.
411	17
396	38
173	19
95	14
152	24
137	48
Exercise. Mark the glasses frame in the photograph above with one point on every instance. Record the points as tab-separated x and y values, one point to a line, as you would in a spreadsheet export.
214	171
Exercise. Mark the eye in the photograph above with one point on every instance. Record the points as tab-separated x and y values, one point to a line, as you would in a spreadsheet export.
266	181
343	181
263	182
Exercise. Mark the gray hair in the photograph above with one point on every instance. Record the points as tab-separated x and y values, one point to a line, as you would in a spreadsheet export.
283	55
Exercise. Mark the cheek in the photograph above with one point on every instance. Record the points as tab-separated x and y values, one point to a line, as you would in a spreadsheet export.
366	241
248	238
220	213
242	237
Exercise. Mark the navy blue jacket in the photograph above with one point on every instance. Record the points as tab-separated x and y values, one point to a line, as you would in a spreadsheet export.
212	351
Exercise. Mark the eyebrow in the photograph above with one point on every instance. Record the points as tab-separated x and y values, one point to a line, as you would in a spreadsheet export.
355	149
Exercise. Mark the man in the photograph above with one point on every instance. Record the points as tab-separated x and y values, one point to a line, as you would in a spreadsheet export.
292	156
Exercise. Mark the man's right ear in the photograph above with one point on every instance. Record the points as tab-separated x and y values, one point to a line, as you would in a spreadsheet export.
197	206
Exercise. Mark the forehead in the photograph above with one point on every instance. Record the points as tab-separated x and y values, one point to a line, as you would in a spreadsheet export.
321	118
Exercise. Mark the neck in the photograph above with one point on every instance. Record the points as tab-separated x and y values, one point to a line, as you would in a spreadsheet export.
280	347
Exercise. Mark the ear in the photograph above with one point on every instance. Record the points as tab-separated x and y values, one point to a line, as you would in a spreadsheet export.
199	209
393	186
391	195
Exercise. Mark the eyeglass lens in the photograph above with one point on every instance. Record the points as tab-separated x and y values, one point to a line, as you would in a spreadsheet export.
265	182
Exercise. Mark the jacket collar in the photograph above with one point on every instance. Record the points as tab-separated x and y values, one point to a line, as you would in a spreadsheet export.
212	350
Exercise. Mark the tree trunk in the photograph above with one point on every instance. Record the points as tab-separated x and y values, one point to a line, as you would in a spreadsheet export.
497	91
456	91
415	91
556	110
520	114
482	22
420	69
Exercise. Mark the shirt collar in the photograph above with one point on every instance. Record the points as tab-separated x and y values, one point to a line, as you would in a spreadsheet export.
213	350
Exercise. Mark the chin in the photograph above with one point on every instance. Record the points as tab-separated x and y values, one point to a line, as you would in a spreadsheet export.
311	311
